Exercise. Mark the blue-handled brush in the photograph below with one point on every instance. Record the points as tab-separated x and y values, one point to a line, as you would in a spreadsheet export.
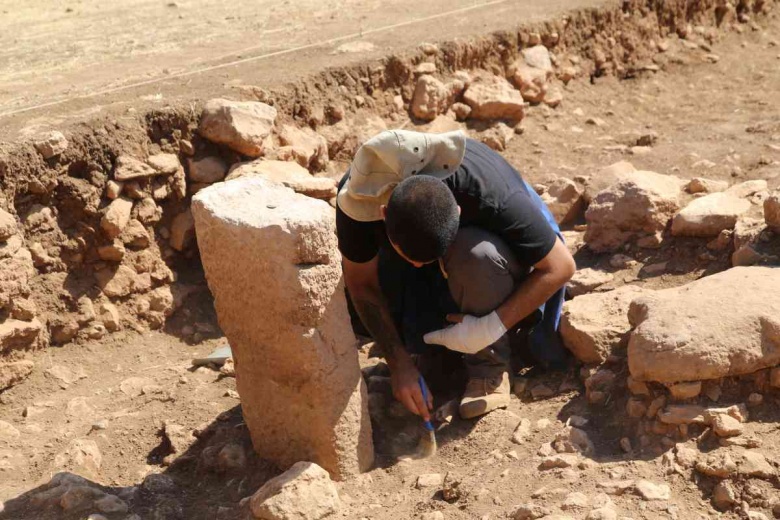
427	446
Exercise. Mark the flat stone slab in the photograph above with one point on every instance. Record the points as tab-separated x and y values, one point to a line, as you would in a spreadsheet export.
722	325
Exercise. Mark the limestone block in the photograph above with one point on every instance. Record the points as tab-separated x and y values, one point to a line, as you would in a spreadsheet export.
290	174
595	325
492	97
642	204
242	126
272	263
722	325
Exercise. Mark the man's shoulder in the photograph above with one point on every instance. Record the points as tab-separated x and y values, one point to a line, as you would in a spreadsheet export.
485	174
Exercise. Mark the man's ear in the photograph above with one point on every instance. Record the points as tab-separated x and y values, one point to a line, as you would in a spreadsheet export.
383	211
459	210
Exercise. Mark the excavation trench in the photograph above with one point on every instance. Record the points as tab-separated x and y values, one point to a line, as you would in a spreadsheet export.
80	268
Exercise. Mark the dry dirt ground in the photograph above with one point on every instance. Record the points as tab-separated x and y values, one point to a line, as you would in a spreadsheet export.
75	59
726	112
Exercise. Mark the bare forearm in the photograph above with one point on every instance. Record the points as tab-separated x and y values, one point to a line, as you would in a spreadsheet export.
536	289
375	315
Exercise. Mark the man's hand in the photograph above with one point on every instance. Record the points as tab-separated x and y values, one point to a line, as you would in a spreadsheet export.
470	334
406	388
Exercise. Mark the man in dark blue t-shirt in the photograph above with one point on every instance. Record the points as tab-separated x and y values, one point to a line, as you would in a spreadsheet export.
437	229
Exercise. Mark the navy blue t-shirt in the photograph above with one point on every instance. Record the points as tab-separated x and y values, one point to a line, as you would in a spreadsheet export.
491	194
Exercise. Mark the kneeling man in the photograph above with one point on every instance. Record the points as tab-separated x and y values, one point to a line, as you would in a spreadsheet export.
443	243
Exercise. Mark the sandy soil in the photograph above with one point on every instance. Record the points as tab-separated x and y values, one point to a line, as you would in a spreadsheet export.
725	112
69	50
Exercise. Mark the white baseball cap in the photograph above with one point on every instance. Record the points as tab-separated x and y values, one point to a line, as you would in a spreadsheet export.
388	158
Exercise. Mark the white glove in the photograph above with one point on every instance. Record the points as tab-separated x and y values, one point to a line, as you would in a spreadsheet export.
469	336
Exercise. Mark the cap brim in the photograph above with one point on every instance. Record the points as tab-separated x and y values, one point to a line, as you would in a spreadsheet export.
357	208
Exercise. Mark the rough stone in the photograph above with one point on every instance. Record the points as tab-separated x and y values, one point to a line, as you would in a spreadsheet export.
8	432
587	280
636	408
709	215
18	335
164	163
179	437
637	387
639	205
148	211
129	168
429	480
430	98
111	504
116	217
529	512
307	147
748	188
304	492
683	414
242	126
575	501
114	252
522	431
651	491
726	426
681	391
207	170
754	464
51	144
182	230
564	199
82	456
701	185
119	282
713	340
606	177
530	81
493	97
561	460
772	211
289	174
135	235
594	325
262	242
8	226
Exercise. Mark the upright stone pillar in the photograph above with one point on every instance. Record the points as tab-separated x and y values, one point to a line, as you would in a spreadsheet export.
273	267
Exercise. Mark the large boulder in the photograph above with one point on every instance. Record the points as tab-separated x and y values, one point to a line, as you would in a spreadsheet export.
594	325
639	205
289	174
772	211
270	253
493	97
304	492
722	325
709	215
241	126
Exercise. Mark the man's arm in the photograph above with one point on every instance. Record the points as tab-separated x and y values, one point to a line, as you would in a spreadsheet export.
472	334
362	280
548	276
